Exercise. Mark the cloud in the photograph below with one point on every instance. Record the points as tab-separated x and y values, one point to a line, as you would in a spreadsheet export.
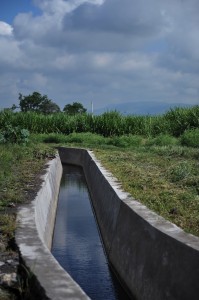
9	53
117	16
61	7
5	29
114	25
109	51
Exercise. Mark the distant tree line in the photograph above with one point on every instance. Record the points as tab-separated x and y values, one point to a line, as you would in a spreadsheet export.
42	104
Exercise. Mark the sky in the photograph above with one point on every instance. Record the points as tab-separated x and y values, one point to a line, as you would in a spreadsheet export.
103	51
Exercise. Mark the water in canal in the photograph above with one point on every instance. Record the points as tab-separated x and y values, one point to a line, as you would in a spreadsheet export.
76	243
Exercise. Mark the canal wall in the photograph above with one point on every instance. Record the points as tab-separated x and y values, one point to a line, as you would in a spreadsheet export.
35	225
153	258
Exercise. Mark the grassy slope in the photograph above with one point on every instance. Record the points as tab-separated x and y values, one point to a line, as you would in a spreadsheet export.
164	178
168	184
19	170
158	172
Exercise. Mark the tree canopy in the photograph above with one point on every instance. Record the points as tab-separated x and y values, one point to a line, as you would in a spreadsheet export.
75	108
49	107
37	103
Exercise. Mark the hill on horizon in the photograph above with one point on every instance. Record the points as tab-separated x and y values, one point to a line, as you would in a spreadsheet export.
141	108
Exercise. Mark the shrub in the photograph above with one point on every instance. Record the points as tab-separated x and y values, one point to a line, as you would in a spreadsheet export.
2	138
181	119
179	171
86	137
162	140
52	138
125	141
14	135
190	138
109	124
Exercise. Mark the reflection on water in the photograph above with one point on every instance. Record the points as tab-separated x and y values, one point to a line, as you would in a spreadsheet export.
76	242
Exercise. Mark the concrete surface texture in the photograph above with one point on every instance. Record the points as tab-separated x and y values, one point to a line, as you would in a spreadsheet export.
153	258
35	223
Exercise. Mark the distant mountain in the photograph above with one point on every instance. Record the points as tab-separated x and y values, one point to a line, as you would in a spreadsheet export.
141	108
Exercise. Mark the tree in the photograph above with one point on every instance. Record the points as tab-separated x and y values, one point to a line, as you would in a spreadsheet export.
37	103
75	108
13	107
30	102
49	107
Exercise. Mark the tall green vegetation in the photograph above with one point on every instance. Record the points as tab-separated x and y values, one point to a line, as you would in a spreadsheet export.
10	133
190	138
75	108
14	135
37	103
175	122
181	119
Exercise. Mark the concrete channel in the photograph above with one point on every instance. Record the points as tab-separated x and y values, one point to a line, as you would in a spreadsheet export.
153	258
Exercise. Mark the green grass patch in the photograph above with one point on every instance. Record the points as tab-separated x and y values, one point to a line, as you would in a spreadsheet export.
175	122
156	160
90	139
190	138
157	171
162	140
19	168
167	185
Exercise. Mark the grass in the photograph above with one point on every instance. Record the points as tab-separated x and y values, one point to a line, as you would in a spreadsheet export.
168	185
5	295
19	167
190	138
157	171
156	159
175	122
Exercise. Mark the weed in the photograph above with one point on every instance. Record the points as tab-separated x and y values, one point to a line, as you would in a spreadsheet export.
125	141
52	138
162	140
109	124
14	135
190	138
180	171
8	225
6	295
164	183
25	276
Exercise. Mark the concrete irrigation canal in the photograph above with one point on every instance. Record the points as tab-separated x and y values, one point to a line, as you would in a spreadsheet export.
76	242
152	258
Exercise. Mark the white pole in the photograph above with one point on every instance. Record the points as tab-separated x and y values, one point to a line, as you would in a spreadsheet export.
92	108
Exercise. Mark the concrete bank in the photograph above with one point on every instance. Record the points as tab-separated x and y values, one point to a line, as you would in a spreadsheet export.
155	259
35	224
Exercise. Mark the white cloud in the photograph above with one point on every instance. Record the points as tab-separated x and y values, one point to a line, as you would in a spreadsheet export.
62	6
106	51
5	29
10	54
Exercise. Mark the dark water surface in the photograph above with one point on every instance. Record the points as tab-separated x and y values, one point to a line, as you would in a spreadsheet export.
76	242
